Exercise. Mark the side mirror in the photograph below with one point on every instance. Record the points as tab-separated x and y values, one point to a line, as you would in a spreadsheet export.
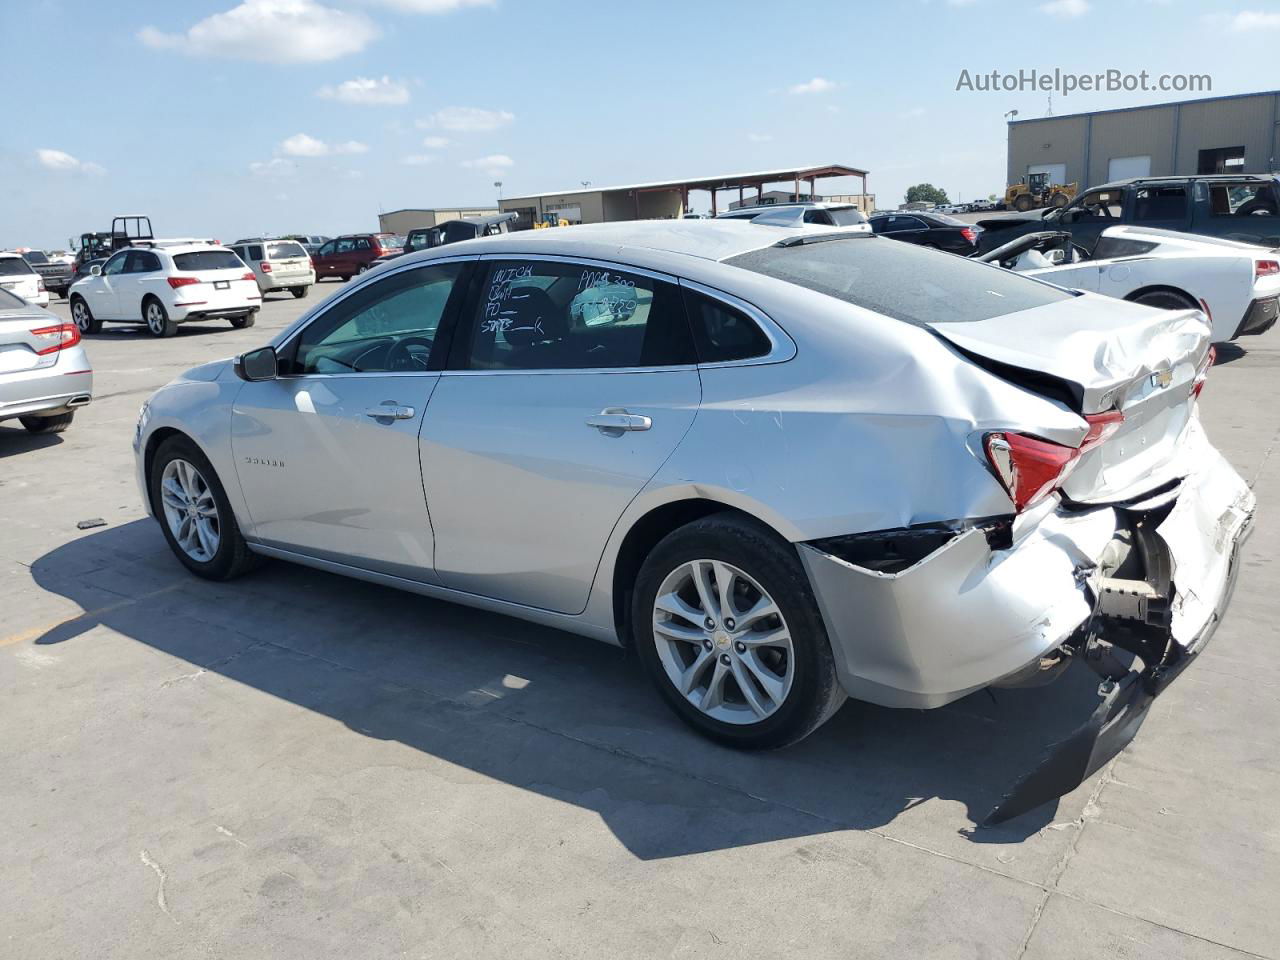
95	270
260	364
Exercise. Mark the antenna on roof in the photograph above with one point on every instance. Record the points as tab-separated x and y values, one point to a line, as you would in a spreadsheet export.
1049	112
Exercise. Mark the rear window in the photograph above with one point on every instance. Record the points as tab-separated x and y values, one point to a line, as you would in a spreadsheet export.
207	260
847	217
900	280
284	250
949	221
35	256
13	267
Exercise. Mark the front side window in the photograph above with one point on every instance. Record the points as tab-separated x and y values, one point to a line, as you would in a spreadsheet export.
1099	206
540	315
115	265
327	249
346	245
389	326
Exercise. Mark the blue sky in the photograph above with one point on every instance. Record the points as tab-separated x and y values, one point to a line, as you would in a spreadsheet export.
222	118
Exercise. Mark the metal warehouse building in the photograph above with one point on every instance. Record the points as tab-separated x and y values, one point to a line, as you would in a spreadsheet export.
413	218
1237	134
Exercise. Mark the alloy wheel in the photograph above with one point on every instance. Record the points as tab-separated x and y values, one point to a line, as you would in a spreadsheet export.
723	642
190	510
80	314
155	318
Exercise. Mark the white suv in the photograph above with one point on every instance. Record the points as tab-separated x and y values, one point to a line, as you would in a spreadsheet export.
278	264
165	285
18	278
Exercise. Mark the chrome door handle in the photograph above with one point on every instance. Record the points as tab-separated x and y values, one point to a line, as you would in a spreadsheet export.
615	421
390	411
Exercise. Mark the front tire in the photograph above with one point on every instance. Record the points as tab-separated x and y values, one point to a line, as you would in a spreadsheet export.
83	317
728	629
42	425
299	292
157	318
194	513
1022	203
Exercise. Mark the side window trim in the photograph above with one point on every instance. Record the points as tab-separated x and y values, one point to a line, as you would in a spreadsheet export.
782	347
289	339
469	314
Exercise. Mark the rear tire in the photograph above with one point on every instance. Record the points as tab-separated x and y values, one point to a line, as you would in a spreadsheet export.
54	424
1167	300
792	683
1022	203
240	323
231	557
157	318
299	292
83	317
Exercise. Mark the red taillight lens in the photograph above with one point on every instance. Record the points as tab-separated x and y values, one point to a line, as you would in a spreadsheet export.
1265	268
1101	428
1029	469
53	339
177	282
1202	372
40	285
266	267
969	235
250	276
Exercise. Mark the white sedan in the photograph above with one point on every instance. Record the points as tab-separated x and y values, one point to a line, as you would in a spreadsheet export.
163	286
1237	285
18	278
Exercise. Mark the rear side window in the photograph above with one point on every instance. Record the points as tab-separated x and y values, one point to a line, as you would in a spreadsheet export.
1242	200
901	280
255	251
284	250
722	333
539	315
1160	203
207	260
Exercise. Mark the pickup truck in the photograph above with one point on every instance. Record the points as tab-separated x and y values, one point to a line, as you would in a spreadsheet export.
56	275
1244	207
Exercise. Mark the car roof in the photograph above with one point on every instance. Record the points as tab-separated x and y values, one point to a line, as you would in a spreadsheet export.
663	239
1206	177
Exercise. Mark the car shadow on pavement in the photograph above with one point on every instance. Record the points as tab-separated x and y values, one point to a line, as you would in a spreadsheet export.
557	714
1225	353
15	440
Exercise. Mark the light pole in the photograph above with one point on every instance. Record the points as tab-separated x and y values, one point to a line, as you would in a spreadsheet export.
1008	169
497	185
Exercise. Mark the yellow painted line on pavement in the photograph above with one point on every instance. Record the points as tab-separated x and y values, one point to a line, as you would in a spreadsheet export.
36	632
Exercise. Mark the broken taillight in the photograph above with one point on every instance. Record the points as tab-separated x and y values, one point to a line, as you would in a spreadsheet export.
1202	372
1030	468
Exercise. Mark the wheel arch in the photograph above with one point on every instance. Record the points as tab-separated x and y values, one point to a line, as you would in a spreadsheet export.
646	532
1193	301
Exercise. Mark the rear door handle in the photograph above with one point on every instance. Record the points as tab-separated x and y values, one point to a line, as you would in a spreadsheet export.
390	411
615	421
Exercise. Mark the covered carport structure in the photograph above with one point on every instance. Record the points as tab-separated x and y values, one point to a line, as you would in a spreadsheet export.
667	198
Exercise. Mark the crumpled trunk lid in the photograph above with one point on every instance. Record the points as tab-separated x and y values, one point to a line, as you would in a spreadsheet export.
1097	354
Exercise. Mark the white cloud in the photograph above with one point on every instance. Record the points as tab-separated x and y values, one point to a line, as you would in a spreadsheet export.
1066	9
433	6
493	164
435	143
759	137
302	145
816	85
1248	20
367	91
271	31
468	119
65	163
914	112
418	160
276	167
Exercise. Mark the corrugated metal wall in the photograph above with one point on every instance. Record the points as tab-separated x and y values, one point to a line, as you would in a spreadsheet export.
1159	131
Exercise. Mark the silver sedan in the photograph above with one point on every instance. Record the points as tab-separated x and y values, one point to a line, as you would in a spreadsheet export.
785	465
44	372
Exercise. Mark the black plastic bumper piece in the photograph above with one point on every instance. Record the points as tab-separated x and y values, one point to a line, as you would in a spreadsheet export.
1124	705
1260	317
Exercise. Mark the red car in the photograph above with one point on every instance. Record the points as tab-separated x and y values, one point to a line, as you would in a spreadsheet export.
353	253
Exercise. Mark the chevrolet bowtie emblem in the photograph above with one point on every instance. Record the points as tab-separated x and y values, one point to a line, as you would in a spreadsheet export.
1162	378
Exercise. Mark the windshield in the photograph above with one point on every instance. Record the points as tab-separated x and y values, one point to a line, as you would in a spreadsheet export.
900	280
284	249
207	260
35	256
14	266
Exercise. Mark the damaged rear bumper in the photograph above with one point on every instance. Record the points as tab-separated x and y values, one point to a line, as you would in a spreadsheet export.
1133	590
